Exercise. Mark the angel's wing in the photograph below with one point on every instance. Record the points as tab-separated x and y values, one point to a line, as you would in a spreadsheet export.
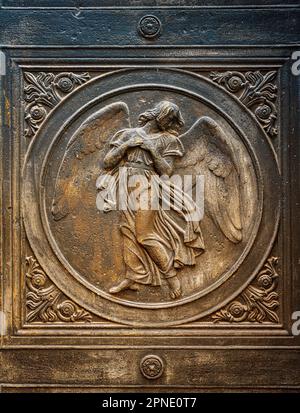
86	148
208	153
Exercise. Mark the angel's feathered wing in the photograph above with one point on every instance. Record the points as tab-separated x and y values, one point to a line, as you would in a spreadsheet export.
86	148
208	153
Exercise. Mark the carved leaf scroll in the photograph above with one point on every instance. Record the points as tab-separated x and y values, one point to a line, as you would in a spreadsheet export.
43	91
258	302
256	91
45	302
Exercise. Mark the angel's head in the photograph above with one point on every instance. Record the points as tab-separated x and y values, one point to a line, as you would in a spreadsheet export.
166	115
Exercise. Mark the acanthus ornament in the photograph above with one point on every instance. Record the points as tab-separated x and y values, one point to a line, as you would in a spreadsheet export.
256	91
43	91
258	302
46	302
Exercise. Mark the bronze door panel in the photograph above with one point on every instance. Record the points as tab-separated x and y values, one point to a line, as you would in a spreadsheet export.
150	230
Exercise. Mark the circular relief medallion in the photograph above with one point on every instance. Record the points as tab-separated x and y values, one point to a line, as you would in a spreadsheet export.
152	367
149	26
148	196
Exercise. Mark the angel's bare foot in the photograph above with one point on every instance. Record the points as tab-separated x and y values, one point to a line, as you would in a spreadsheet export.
175	287
123	285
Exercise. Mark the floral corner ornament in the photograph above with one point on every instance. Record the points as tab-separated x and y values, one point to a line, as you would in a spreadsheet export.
43	91
46	302
258	302
256	91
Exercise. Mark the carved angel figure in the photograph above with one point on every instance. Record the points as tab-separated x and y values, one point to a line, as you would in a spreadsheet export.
157	242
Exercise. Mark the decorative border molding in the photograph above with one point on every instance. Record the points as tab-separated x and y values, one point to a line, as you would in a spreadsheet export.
258	302
45	302
256	91
43	91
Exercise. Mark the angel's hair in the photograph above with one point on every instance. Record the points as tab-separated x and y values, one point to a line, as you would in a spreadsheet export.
167	116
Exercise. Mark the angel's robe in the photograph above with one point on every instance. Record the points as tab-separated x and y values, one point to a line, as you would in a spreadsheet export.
173	239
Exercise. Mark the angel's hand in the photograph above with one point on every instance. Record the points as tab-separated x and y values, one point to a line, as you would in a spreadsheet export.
136	141
148	145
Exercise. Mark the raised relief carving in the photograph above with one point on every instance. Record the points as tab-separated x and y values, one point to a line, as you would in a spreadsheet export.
82	205
256	91
149	26
259	301
45	302
163	235
152	367
43	91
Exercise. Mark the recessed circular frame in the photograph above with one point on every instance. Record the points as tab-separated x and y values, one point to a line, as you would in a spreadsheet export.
53	138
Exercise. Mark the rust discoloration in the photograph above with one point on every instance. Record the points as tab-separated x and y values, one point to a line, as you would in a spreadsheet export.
7	109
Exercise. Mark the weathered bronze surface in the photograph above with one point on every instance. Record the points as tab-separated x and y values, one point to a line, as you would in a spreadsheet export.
188	258
97	297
